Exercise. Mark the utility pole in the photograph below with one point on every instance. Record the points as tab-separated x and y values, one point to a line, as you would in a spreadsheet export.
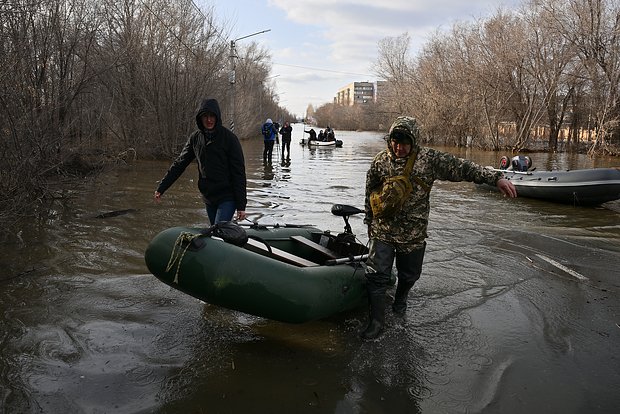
231	77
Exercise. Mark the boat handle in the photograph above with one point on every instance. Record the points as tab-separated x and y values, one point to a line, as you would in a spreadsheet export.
552	179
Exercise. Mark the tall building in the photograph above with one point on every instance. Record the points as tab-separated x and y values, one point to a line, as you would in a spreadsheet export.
356	93
381	90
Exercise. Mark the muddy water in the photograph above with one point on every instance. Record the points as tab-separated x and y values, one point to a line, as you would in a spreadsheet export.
516	311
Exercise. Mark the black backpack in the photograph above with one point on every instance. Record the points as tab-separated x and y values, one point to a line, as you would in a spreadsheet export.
228	231
267	130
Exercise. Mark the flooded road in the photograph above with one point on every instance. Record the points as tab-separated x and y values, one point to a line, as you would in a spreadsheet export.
517	309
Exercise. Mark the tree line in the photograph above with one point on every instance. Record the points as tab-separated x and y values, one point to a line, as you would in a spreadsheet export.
84	83
548	71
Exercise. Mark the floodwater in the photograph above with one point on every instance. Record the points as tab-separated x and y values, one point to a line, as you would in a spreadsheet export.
517	309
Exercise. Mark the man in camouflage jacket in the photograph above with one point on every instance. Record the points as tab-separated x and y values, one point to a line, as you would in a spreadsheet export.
402	236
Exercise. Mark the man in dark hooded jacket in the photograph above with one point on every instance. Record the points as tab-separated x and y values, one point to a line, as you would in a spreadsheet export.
221	165
400	234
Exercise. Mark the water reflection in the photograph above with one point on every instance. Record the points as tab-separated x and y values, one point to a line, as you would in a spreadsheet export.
85	328
300	356
285	171
268	173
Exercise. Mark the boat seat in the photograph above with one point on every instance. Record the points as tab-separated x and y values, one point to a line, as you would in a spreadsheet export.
262	248
315	246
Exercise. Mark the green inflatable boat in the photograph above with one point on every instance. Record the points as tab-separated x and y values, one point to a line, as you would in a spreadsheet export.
286	273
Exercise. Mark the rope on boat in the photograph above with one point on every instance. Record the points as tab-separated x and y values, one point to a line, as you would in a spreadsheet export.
357	264
178	252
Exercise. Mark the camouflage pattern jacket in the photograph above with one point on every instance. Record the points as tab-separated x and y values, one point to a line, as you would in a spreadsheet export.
406	231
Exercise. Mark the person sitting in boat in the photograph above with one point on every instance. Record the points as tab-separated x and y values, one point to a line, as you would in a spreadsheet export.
321	136
330	135
312	134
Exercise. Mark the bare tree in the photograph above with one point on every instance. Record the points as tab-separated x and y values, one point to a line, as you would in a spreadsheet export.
513	49
255	100
514	76
487	74
555	68
162	58
83	83
593	28
446	101
46	51
394	66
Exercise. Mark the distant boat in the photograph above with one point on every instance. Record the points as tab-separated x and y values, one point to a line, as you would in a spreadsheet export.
316	143
586	187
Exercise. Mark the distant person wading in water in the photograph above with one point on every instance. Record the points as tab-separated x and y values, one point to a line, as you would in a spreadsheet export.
269	132
286	132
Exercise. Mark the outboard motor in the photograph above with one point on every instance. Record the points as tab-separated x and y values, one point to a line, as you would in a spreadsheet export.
345	211
521	163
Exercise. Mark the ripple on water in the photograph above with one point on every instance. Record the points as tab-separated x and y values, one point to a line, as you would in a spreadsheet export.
85	330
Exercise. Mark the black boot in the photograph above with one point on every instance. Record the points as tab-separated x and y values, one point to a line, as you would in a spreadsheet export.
399	307
377	316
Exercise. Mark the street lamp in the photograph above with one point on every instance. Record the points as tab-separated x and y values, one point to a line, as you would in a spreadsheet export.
231	78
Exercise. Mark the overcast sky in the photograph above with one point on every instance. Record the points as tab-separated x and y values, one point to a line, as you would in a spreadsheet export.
319	46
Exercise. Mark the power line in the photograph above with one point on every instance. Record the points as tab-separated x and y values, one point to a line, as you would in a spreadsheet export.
215	29
198	9
168	28
325	70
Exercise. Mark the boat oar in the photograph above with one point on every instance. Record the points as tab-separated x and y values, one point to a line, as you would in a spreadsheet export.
333	262
254	225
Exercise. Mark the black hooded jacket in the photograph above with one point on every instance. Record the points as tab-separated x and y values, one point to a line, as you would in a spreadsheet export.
221	166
